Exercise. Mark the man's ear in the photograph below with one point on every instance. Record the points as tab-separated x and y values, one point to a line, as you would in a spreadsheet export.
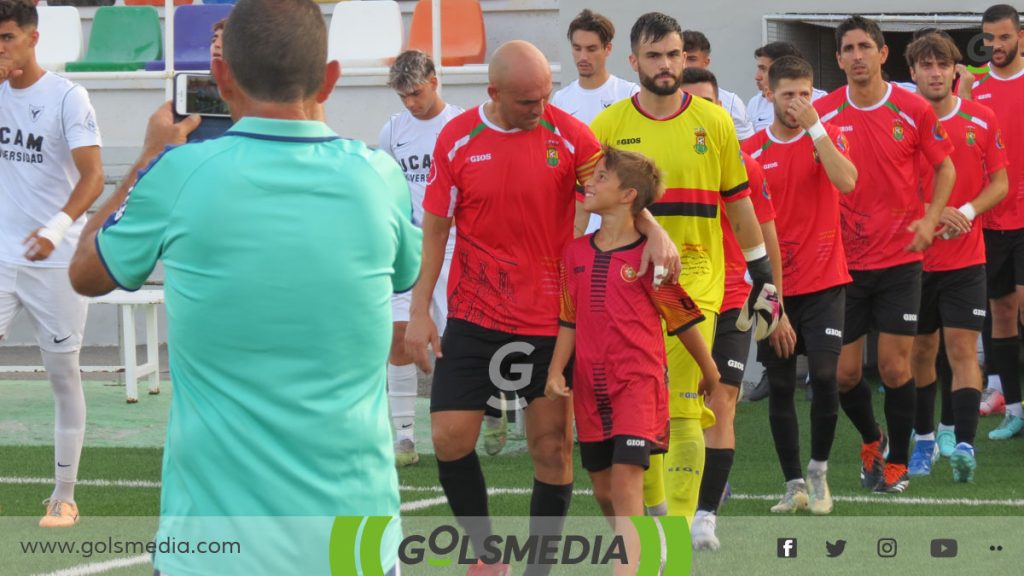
331	75
225	80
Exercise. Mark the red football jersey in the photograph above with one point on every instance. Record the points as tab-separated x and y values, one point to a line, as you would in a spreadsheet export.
1005	97
736	286
619	384
885	140
807	213
512	194
977	152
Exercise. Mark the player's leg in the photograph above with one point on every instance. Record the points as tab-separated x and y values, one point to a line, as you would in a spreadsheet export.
458	396
785	428
654	487
897	303
820	337
945	436
402	385
627	481
730	352
1001	344
58	315
854	393
992	400
596	459
1003	356
923	356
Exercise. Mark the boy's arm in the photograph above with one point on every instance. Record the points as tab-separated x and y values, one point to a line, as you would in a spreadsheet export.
565	345
698	348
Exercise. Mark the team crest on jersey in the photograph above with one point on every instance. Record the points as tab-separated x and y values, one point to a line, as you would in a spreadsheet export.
701	141
841	143
897	130
970	136
999	139
628	273
552	153
35	111
938	132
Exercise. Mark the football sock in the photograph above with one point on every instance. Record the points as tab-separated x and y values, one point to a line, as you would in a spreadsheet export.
65	377
782	417
824	403
548	507
463	484
1003	357
856	403
945	372
654	482
402	398
965	414
924	420
717	465
899	417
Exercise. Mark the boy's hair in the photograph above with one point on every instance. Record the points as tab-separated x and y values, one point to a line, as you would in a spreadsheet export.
411	68
652	27
23	12
789	68
696	41
219	24
775	50
693	75
634	170
932	47
857	22
590	21
999	12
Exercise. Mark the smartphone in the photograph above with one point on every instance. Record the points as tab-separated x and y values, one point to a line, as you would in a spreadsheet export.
198	94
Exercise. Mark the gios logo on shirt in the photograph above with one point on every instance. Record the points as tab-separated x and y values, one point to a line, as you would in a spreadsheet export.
700	137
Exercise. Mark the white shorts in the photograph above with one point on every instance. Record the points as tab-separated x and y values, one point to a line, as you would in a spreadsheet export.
56	311
400	303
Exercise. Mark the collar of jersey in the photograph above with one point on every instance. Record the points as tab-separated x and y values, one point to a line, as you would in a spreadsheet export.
956	109
493	126
771	136
282	130
877	105
992	74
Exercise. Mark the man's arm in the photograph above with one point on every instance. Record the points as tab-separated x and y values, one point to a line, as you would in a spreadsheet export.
421	330
42	241
839	168
88	274
660	249
956	221
924	228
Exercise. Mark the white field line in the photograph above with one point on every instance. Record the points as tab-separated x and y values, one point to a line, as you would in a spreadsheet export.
101	567
901	500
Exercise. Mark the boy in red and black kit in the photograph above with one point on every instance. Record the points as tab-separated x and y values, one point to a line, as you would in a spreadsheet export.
619	394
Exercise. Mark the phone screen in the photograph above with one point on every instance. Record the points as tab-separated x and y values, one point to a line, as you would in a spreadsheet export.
202	96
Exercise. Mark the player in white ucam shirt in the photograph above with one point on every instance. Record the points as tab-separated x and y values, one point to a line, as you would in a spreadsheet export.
698	55
760	111
50	173
590	35
409	137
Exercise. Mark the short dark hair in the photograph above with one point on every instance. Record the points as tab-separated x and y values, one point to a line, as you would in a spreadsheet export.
652	27
694	75
775	50
411	68
276	49
589	21
696	41
857	22
933	46
789	68
998	12
634	170
219	24
23	12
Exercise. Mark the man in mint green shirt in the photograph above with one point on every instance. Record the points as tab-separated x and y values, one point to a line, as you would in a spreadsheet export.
281	245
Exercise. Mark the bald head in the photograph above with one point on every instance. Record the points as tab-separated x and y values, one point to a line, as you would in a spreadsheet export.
518	61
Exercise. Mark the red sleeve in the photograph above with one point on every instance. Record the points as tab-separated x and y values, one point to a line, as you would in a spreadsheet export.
840	140
995	151
760	195
588	153
442	192
932	137
567	309
673	304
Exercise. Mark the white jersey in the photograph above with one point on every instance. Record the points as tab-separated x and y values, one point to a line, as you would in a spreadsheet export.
584	104
734	104
762	112
39	127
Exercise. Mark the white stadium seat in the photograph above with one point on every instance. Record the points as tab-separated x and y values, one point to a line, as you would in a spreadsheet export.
365	33
60	36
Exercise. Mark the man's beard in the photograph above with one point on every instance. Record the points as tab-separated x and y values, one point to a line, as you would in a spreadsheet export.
650	82
780	115
1011	56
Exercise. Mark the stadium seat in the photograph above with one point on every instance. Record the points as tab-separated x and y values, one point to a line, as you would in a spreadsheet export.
123	38
60	36
463	38
193	29
154	2
79	3
219	1
365	33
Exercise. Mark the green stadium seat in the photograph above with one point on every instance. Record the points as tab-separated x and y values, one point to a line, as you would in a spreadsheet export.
123	38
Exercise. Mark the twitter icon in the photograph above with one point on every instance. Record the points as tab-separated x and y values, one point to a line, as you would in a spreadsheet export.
835	550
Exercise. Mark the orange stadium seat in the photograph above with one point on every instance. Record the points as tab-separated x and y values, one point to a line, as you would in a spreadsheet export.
463	38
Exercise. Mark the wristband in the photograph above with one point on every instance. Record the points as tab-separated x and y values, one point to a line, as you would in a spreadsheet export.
754	253
760	271
817	131
55	229
968	211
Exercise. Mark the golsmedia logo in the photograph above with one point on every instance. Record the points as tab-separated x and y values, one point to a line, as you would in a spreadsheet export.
439	547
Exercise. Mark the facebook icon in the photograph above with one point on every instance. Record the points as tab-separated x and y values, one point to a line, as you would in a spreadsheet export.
787	548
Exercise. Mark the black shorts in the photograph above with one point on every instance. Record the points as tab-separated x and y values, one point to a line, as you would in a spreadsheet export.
597	456
463	378
952	299
1004	257
817	318
730	349
887	300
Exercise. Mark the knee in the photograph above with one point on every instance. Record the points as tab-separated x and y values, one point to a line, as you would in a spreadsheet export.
552	450
603	494
962	350
923	355
450	444
894	371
